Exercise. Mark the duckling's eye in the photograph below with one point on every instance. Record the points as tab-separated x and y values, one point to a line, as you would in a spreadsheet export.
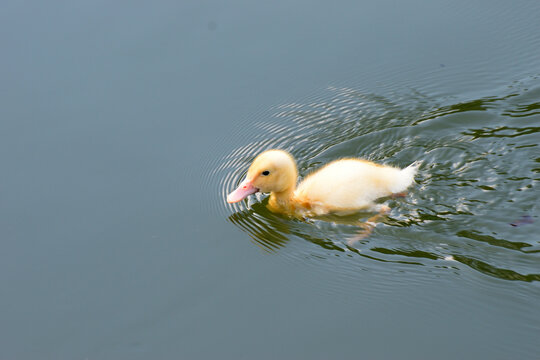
265	172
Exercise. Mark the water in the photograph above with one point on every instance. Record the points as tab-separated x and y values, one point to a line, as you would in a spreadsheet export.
476	183
123	126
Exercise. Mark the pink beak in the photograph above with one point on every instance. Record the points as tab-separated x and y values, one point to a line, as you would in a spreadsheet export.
244	189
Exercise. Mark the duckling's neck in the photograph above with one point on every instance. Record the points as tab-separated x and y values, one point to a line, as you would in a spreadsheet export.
281	201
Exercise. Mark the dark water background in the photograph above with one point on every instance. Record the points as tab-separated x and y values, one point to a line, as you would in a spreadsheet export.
123	125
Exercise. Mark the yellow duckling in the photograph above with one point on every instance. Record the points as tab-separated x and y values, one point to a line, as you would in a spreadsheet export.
342	186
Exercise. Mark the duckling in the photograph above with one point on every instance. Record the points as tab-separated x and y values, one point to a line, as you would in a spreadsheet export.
343	186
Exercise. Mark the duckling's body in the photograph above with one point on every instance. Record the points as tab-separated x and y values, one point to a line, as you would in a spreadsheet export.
341	186
351	184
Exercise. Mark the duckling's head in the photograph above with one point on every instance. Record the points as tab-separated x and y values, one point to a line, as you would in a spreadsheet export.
272	171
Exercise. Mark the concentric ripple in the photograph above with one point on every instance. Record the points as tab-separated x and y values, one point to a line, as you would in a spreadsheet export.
476	198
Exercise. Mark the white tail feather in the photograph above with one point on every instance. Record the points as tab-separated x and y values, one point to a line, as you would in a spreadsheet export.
406	177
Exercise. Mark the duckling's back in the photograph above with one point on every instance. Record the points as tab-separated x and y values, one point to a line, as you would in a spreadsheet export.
351	184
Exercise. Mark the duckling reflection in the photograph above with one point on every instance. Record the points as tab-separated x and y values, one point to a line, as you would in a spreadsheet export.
265	228
272	231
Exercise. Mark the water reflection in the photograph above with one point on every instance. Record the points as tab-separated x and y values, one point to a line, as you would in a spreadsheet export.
476	235
478	157
491	270
263	226
503	131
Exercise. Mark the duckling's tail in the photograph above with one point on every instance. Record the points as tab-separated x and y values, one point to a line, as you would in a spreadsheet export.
414	166
410	171
405	178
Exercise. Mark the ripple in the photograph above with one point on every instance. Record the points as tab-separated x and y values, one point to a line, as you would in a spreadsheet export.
479	173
